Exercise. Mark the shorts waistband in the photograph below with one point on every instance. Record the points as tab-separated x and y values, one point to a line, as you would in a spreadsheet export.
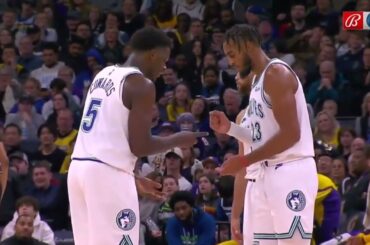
101	162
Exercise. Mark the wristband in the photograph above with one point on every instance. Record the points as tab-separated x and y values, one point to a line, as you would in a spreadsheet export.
239	133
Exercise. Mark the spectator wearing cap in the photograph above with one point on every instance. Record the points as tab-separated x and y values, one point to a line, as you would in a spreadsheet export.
26	57
186	122
29	206
191	225
173	161
48	150
51	65
21	166
254	14
166	129
210	164
26	118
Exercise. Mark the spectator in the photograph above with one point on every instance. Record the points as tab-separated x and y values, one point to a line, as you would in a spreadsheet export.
28	206
7	93
48	150
66	136
132	20
346	137
194	8
326	129
207	198
232	103
327	210
50	197
26	119
26	57
21	166
199	109
190	224
325	164
181	102
339	172
363	123
170	185
356	186
51	65
13	138
173	161
23	232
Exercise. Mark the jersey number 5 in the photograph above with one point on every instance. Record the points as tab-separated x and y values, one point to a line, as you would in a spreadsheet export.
90	116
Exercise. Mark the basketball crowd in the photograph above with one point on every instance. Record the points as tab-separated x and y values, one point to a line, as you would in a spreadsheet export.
50	51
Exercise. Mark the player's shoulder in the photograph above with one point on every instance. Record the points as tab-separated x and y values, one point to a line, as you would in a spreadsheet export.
279	76
240	116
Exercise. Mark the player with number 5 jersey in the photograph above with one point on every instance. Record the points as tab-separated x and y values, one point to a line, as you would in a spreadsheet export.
115	131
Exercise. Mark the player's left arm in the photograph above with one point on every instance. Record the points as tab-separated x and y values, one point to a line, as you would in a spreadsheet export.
4	169
280	85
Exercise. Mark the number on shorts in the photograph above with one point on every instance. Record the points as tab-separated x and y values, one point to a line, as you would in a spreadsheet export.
256	131
91	114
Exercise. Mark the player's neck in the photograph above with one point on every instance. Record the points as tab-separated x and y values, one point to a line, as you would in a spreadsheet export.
136	61
260	62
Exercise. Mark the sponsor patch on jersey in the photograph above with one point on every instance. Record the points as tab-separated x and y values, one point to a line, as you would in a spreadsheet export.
296	201
126	219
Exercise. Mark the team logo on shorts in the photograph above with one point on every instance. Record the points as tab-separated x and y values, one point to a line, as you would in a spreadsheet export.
126	219
296	200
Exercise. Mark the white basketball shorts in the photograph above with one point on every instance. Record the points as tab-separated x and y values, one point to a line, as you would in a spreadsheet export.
279	206
104	204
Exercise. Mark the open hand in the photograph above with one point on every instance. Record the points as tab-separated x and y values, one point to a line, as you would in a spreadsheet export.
219	122
149	188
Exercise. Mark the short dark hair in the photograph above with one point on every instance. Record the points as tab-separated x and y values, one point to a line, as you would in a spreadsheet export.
50	46
149	38
13	125
23	216
210	68
29	201
182	196
43	164
243	33
51	129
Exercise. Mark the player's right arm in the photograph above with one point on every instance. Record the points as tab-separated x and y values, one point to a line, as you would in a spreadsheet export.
139	96
4	170
240	184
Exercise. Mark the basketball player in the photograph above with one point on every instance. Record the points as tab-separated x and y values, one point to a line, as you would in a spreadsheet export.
282	185
4	169
114	132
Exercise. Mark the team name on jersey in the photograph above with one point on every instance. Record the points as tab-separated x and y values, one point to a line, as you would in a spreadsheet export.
103	83
255	108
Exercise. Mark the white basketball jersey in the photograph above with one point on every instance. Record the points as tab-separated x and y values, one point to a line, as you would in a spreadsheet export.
103	134
263	124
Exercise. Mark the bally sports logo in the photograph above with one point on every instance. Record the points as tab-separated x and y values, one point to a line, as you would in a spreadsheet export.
356	20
